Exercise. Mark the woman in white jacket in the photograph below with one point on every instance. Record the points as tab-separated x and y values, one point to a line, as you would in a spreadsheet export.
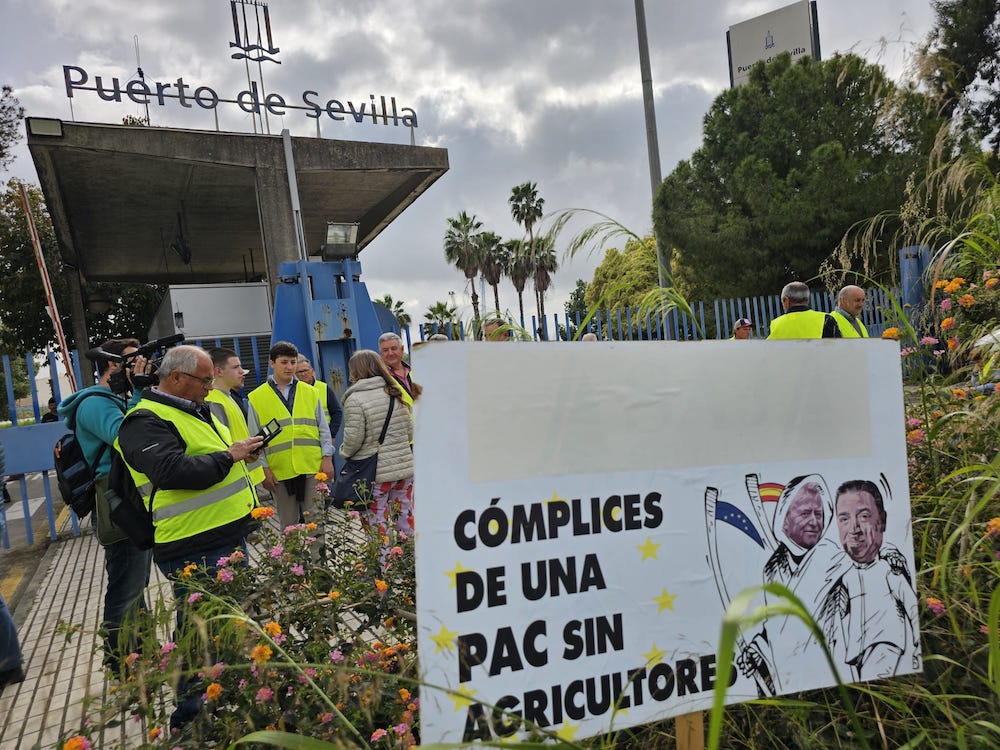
366	403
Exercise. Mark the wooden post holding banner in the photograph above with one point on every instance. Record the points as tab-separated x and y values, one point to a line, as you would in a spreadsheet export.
49	296
690	731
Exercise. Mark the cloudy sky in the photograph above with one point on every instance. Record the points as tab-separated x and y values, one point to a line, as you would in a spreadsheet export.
546	91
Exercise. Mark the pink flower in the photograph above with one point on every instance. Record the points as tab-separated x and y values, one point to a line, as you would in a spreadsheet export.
280	638
298	570
378	734
131	658
353	514
401	729
216	671
237	557
396	552
936	606
929	341
336	656
309	540
225	575
945	304
907	351
194	597
264	695
915	437
322	487
222	562
167	647
326	718
912	422
277	551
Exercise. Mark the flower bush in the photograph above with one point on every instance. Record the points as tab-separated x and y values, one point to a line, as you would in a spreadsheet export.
304	637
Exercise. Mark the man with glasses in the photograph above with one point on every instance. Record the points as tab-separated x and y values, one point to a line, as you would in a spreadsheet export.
193	476
390	346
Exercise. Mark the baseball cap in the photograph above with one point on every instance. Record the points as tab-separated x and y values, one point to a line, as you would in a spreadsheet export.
742	323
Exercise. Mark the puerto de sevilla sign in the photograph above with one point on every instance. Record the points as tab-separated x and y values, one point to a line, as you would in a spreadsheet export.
793	29
253	39
589	511
377	109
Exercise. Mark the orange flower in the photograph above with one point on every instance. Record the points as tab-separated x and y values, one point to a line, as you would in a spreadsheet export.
334	595
272	628
993	527
76	742
381	585
188	570
947	324
261	653
154	733
213	691
890	333
990	283
958	393
941	284
311	526
262	512
404	695
966	300
952	344
954	285
321	476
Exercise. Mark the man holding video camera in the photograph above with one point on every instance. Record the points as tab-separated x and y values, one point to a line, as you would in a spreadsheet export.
95	414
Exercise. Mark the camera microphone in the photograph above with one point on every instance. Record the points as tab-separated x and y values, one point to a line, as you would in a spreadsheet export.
152	346
99	354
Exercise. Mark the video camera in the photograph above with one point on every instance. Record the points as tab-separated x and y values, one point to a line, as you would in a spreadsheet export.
126	378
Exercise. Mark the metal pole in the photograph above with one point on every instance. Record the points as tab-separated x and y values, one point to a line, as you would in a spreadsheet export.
47	285
652	143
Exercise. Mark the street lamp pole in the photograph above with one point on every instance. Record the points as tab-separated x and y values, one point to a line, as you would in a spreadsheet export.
652	143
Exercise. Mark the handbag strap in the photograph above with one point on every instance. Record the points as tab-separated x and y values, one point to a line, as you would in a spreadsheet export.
385	425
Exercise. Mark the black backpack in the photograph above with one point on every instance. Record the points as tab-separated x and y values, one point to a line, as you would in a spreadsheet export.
126	506
74	475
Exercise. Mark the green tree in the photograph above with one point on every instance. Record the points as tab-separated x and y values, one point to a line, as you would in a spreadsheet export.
546	264
494	258
461	249
11	113
789	162
19	376
576	305
521	269
526	209
960	63
442	315
396	308
624	277
125	309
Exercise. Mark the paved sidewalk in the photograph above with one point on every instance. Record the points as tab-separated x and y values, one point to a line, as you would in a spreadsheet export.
64	676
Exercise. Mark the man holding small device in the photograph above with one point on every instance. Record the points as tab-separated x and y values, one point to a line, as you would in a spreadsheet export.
303	447
229	376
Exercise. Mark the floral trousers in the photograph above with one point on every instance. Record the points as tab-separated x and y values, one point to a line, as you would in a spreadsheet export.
392	504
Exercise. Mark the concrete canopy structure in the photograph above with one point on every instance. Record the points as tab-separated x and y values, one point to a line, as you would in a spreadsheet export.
166	205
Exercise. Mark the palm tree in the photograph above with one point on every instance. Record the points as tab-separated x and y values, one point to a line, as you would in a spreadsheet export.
442	315
494	257
520	269
526	209
396	308
546	264
461	249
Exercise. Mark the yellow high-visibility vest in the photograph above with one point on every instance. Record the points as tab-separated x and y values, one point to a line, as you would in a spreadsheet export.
804	324
180	514
846	329
297	449
236	423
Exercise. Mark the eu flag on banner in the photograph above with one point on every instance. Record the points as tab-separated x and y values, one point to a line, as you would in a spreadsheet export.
738	519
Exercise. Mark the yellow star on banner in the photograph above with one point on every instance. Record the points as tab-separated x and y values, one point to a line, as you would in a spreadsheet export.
567	731
616	512
510	739
462	697
665	600
620	711
655	655
555	498
452	573
648	550
444	640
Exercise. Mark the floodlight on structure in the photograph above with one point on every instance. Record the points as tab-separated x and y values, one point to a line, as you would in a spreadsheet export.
341	240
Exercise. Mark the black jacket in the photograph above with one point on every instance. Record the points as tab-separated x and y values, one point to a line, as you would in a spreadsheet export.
154	447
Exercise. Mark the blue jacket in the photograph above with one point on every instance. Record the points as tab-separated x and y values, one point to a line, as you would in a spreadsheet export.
95	420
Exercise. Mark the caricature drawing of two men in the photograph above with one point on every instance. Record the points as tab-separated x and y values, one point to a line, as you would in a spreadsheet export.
859	590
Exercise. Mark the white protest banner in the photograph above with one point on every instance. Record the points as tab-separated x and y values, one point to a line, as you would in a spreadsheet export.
586	512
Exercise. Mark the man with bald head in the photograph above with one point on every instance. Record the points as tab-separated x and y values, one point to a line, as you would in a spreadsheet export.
850	303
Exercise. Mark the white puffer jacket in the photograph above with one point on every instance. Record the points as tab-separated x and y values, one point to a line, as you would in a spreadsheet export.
365	407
